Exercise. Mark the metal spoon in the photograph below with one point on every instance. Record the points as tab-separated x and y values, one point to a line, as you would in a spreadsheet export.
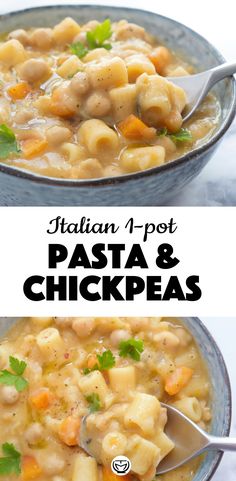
197	86
190	441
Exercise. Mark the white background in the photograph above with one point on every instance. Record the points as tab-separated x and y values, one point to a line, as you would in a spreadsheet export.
215	20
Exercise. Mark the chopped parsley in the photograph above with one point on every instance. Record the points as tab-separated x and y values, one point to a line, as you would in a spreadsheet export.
78	49
183	135
96	38
106	360
94	402
132	348
11	461
14	379
8	143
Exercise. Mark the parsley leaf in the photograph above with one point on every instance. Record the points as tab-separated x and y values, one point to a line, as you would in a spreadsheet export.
184	135
106	360
78	49
16	379
96	38
8	143
17	366
10	463
94	402
132	348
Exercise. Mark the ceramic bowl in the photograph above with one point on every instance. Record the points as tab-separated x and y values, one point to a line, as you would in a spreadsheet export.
221	392
151	187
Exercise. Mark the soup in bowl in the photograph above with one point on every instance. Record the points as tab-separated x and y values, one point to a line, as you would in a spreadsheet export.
55	371
88	115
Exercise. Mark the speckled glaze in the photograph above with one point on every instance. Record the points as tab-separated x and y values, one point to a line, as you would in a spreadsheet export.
152	187
221	396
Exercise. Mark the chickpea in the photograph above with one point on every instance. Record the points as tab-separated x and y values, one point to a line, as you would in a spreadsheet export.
80	83
57	135
129	30
97	104
166	340
173	121
23	116
34	70
90	25
167	143
20	35
42	38
34	433
63	321
5	111
118	336
81	37
53	464
183	335
87	169
9	395
83	326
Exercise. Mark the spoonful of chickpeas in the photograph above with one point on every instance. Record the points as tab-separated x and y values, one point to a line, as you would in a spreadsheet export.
197	86
189	440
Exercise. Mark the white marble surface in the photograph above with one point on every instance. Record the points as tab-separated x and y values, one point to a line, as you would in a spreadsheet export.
216	185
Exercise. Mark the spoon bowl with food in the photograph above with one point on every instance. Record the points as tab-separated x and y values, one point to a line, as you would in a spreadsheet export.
189	441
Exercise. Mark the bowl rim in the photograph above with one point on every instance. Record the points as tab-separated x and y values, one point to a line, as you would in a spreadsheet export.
120	179
219	455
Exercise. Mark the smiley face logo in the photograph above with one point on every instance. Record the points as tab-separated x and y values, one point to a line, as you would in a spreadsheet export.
121	465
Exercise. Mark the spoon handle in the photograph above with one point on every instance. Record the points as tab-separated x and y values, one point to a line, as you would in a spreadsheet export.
222	444
222	71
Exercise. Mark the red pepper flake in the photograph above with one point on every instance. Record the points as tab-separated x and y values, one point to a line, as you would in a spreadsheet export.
66	355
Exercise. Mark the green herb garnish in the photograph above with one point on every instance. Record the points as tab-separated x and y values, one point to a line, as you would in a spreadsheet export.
78	49
16	379
132	348
8	143
94	402
106	360
184	135
10	463
96	38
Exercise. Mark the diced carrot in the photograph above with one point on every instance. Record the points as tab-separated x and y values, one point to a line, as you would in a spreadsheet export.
30	468
134	128
160	57
108	475
92	361
177	380
33	147
19	91
69	431
42	398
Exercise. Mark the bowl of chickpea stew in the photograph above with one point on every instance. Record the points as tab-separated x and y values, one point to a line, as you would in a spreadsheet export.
87	113
54	371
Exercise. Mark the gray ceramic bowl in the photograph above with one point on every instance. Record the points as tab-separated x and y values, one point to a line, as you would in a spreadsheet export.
221	392
152	187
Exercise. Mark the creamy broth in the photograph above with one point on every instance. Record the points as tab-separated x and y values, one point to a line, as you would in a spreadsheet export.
119	369
87	108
